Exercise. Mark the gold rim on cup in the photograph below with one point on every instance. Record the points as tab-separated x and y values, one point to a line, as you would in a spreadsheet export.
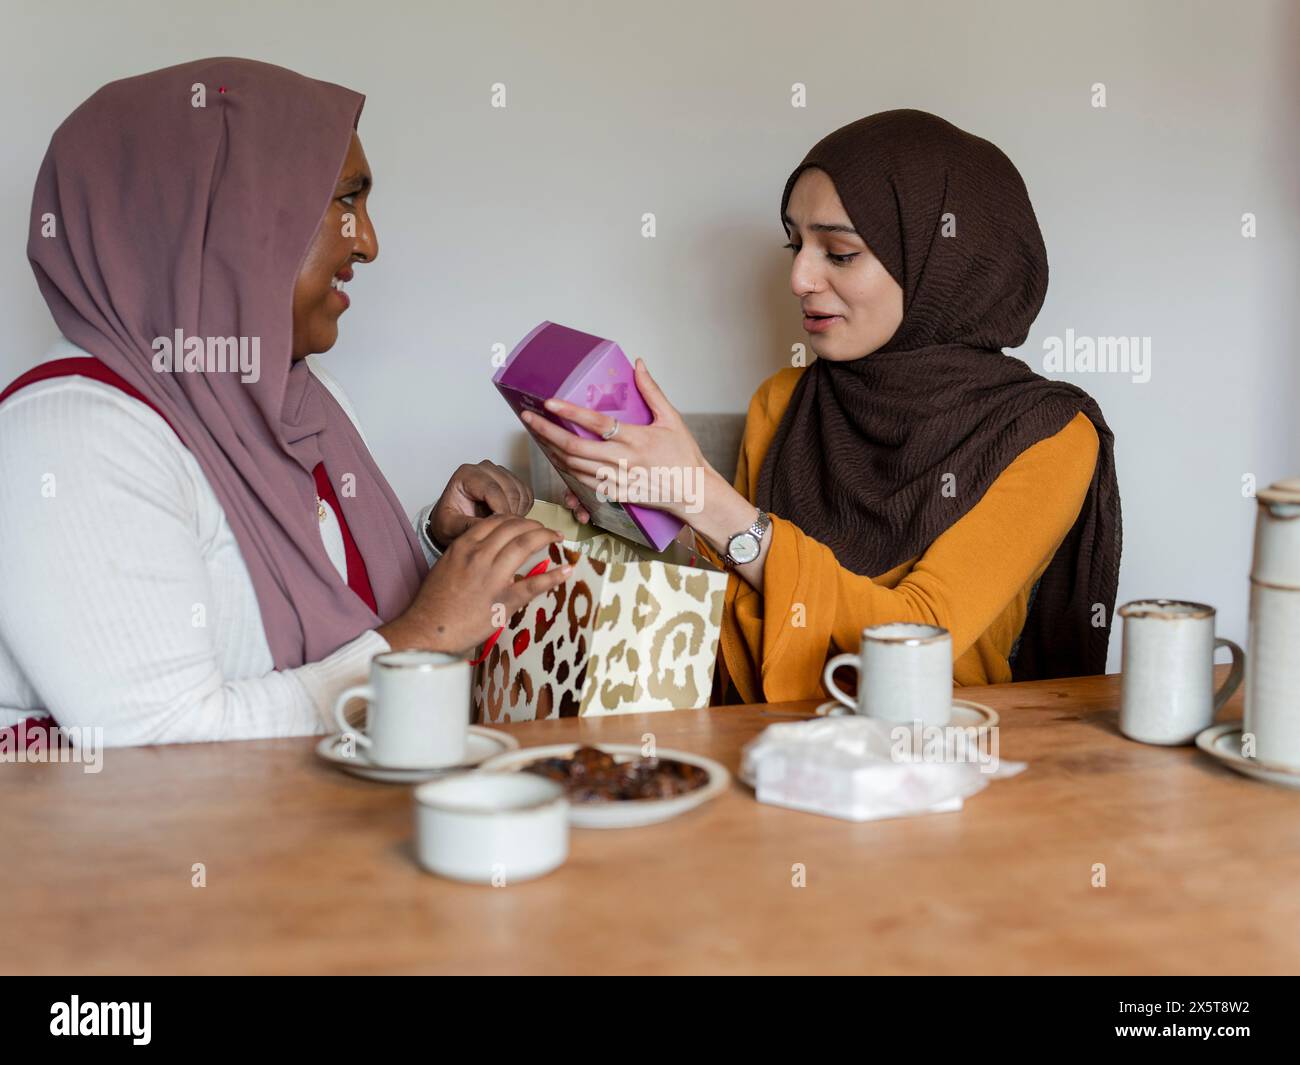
1132	610
936	633
444	661
426	795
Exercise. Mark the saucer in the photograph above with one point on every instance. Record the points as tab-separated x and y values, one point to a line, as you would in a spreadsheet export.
1223	742
480	745
965	714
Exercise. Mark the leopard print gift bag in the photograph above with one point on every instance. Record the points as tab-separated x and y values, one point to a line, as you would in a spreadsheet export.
629	631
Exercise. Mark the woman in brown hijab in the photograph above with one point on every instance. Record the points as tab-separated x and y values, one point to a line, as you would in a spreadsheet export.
913	472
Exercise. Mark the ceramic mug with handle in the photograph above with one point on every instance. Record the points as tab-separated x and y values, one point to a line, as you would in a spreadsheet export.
418	715
1167	690
904	673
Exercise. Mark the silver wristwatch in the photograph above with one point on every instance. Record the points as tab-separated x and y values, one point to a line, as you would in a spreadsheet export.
422	522
745	545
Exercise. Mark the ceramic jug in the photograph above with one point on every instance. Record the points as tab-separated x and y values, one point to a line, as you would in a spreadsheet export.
1272	714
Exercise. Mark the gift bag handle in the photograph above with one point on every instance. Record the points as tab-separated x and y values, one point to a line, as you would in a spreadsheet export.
487	644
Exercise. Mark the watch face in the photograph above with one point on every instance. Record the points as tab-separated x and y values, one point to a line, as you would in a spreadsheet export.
743	547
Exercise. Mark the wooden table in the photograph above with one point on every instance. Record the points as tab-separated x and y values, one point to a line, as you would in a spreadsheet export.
312	871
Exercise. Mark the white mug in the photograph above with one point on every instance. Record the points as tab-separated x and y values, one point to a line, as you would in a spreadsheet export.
419	705
1167	690
904	673
488	827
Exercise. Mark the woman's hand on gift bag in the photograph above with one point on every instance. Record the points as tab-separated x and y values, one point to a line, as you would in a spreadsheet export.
580	513
658	465
476	492
472	590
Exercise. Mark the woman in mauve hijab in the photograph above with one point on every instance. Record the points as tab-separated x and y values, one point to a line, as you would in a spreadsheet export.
195	541
913	472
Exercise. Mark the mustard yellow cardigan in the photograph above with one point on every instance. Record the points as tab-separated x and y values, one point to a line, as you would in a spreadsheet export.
974	580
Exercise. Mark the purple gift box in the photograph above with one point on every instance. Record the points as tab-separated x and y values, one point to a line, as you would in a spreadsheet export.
555	362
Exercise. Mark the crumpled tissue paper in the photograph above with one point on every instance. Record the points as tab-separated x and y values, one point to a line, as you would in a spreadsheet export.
864	769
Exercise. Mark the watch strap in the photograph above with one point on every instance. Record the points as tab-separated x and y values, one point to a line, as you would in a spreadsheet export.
431	550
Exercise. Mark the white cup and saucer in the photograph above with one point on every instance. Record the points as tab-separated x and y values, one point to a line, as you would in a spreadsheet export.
905	677
416	722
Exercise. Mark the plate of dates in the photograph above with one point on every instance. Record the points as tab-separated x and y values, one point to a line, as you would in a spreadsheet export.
614	785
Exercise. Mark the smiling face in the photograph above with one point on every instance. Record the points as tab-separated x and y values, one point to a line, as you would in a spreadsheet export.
851	304
345	236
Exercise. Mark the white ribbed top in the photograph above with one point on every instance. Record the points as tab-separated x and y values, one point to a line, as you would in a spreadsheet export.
124	599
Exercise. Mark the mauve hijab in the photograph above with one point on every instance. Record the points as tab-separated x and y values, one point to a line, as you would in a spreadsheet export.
170	216
862	454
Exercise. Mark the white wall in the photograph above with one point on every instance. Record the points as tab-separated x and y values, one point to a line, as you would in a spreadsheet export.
491	220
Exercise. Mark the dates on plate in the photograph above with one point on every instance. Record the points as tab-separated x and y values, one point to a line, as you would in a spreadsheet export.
593	775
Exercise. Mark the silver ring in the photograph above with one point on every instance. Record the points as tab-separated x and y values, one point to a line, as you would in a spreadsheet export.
612	431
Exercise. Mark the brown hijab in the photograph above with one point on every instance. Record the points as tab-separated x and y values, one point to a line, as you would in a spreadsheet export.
859	459
167	216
